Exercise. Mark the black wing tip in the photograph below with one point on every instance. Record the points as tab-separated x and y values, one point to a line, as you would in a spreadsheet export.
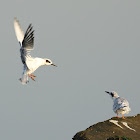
28	41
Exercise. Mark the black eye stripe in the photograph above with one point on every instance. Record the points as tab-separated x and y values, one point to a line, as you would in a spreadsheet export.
47	61
112	94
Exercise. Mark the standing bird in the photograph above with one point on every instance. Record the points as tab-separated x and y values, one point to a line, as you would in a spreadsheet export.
26	42
121	105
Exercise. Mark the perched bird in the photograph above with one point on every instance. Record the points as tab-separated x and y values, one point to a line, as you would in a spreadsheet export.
121	105
26	41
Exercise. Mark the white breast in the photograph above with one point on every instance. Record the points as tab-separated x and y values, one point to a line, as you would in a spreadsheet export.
33	63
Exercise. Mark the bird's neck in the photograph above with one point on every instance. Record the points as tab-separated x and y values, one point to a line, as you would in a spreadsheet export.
114	98
40	61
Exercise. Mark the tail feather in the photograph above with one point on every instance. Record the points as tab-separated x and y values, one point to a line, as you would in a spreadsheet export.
24	79
126	109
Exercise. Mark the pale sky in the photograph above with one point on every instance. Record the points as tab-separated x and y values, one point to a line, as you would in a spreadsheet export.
96	47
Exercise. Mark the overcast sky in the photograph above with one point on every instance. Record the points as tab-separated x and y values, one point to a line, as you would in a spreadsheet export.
96	46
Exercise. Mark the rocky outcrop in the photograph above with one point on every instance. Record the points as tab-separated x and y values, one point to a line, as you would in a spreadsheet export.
128	127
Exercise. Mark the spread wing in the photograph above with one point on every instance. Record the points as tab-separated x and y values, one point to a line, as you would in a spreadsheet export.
18	31
26	41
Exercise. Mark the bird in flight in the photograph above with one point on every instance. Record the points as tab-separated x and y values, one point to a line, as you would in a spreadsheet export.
26	41
121	105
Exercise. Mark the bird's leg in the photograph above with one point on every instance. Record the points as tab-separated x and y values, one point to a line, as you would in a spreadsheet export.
123	116
118	116
32	77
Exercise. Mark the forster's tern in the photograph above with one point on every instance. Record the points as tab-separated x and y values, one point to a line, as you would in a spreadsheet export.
121	105
26	42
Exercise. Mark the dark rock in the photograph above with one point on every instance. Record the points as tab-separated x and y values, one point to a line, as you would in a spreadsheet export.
119	138
126	129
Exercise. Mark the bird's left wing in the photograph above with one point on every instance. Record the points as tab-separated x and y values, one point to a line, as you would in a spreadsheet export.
18	31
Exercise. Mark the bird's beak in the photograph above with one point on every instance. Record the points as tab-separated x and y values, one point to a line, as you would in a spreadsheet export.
54	65
107	92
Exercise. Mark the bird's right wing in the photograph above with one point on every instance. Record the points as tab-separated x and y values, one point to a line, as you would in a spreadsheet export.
120	103
18	31
28	41
123	102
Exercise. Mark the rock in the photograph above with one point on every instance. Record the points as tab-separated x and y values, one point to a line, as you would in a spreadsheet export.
128	127
119	138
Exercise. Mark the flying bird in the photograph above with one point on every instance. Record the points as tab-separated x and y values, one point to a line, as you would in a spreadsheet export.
121	105
26	41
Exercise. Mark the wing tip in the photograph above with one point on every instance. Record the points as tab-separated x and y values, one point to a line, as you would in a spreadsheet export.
16	20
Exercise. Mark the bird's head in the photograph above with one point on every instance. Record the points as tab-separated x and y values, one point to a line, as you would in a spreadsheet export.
113	94
49	62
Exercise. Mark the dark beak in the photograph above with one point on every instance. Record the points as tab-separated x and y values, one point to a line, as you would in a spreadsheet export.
107	92
54	65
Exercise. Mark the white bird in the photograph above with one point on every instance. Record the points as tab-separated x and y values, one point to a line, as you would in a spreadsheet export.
121	105
26	42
